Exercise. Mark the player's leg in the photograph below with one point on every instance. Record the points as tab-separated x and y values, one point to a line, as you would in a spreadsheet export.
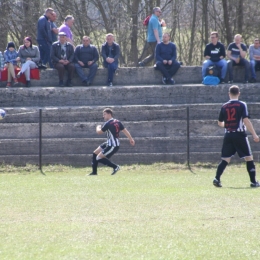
104	156
228	150
244	151
94	162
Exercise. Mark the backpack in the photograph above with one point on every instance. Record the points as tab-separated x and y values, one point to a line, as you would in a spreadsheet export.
211	80
146	20
212	71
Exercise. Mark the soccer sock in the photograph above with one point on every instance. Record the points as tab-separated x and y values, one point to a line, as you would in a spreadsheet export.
94	163
221	167
251	170
105	161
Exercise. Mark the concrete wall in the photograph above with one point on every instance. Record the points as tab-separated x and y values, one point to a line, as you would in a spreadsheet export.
135	76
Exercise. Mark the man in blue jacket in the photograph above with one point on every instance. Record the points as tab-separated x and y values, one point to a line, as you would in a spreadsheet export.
44	35
110	52
165	55
86	56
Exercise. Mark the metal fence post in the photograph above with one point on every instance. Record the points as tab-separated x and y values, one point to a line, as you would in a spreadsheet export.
188	136
40	139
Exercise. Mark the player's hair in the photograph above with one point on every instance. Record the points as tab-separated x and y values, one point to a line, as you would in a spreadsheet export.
257	40
216	33
234	90
108	111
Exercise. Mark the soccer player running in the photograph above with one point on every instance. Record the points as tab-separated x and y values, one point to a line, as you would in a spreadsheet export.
112	127
233	117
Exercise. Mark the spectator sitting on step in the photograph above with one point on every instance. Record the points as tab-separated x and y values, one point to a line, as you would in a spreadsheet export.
215	54
29	56
254	56
62	57
236	53
165	56
66	28
86	56
110	52
10	56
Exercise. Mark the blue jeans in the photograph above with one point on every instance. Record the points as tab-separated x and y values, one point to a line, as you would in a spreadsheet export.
111	68
168	70
45	51
253	63
242	62
92	72
221	64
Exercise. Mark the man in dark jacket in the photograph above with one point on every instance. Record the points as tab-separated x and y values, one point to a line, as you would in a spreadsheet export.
165	55
44	35
215	54
62	57
110	53
86	56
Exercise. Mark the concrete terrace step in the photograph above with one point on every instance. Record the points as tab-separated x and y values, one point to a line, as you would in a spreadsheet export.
124	113
87	145
135	76
169	128
83	160
123	95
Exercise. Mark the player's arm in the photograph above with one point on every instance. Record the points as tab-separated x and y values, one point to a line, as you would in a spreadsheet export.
99	130
251	129
221	124
128	135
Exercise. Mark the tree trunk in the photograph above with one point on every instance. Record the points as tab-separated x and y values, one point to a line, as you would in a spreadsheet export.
228	35
3	26
193	28
134	34
240	17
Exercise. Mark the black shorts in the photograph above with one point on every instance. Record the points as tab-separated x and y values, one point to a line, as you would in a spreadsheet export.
108	151
235	142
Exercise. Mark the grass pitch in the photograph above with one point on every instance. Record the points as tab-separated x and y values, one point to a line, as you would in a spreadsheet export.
161	211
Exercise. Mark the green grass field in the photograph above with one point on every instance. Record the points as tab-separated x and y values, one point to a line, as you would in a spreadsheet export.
161	211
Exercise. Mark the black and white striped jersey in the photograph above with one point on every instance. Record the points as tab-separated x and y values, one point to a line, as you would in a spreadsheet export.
232	113
112	127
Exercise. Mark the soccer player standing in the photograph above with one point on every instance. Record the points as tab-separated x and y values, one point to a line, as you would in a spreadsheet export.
233	117
112	127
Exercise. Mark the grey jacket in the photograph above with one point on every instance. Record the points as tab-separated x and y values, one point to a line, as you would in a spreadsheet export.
31	52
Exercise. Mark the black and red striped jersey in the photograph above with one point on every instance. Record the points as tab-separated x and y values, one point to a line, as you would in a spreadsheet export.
112	128
232	113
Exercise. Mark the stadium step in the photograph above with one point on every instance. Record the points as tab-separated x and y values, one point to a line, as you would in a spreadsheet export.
156	116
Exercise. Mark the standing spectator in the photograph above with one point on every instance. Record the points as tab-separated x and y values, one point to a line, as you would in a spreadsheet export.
110	52
86	56
54	28
165	55
154	36
62	57
29	56
236	53
215	54
66	28
233	117
10	56
44	36
254	56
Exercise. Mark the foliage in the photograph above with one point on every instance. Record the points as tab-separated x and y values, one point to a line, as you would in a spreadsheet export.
188	21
